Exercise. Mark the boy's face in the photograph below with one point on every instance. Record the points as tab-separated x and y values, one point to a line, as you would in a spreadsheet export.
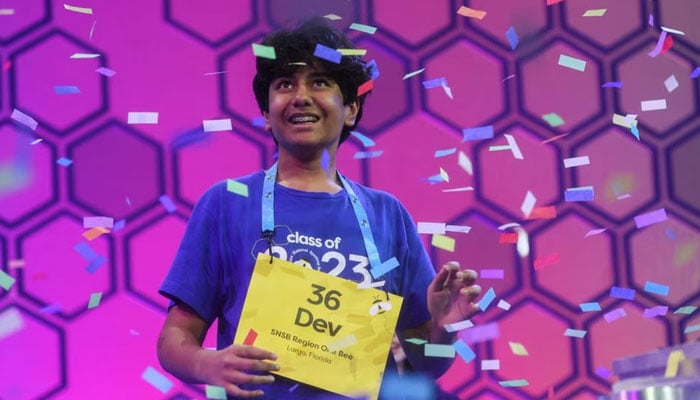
306	110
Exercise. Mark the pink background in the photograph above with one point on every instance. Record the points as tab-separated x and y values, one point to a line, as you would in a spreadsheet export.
192	61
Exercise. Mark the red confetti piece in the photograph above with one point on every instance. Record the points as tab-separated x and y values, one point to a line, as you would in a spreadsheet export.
548	212
508	238
365	87
547	261
250	338
668	43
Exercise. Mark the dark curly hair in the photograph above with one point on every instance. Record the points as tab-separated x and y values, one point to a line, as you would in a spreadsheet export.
298	45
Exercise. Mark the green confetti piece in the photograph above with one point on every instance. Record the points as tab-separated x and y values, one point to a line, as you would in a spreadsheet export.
363	28
514	383
598	12
553	119
215	392
417	341
264	51
6	281
94	300
439	350
686	310
571	62
236	187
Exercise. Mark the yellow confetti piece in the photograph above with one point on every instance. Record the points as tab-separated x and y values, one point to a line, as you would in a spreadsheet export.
95	233
621	120
518	349
674	360
236	187
80	10
471	13
332	17
598	12
443	242
444	176
353	52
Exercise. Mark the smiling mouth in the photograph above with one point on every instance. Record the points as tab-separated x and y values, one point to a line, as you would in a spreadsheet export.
299	119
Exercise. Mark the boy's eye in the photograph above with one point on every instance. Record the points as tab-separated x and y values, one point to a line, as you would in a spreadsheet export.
284	84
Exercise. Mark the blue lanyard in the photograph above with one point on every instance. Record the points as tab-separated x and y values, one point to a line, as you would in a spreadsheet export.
378	268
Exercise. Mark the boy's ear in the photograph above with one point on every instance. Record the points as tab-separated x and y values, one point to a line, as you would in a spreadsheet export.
266	116
351	110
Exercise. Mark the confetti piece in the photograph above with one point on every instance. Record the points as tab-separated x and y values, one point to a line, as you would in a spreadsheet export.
671	30
695	73
528	204
51	309
250	337
657	311
447	90
84	56
236	187
365	87
459	326
16	263
650	218
142	118
262	51
95	264
119	225
581	193
7	11
548	212
36	141
416	341
6	281
622	293
478	133
363	28
490	365
431	227
366	141
94	300
460	189
575	333
653	105
547	261
458	228
552	2
92	29
434	83
603	372
491	274
612	85
674	359
443	242
651	20
81	10
373	70
659	45
480	333
106	72
94	233
486	299
576	161
217	125
692	328
24	119
85	251
464	162
438	350
503	305
624	120
293	387
157	379
553	119
614	315
64	162
508	238
98	222
464	351
414	73
259	122
513	146
571	62
353	52
656	288
512	37
327	53
553	138
598	12
471	13
444	176
588	307
11	322
518	349
368	154
168	203
333	17
446	152
671	83
379	270
516	382
687	310
215	392
61	90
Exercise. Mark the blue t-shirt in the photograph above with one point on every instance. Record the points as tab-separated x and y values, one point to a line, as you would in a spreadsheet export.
215	260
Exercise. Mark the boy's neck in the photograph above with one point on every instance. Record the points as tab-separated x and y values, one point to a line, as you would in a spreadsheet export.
316	175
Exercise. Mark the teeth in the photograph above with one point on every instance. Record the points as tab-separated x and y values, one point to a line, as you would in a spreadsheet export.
306	118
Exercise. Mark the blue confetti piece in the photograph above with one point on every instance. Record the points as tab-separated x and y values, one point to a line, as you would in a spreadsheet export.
670	234
373	70
603	372
327	53
157	379
386	266
85	251
96	264
64	162
478	133
656	288
51	309
692	328
512	37
587	307
612	84
66	89
622	293
119	225
434	83
446	152
464	351
258	122
367	154
584	193
167	203
367	142
695	73
487	299
635	131
325	161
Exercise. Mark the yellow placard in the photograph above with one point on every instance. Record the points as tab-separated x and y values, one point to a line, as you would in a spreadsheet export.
326	332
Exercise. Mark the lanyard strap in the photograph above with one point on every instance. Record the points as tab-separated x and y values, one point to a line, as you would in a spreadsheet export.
268	221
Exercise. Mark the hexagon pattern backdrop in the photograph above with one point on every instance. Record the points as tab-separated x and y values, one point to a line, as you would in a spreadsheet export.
547	76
